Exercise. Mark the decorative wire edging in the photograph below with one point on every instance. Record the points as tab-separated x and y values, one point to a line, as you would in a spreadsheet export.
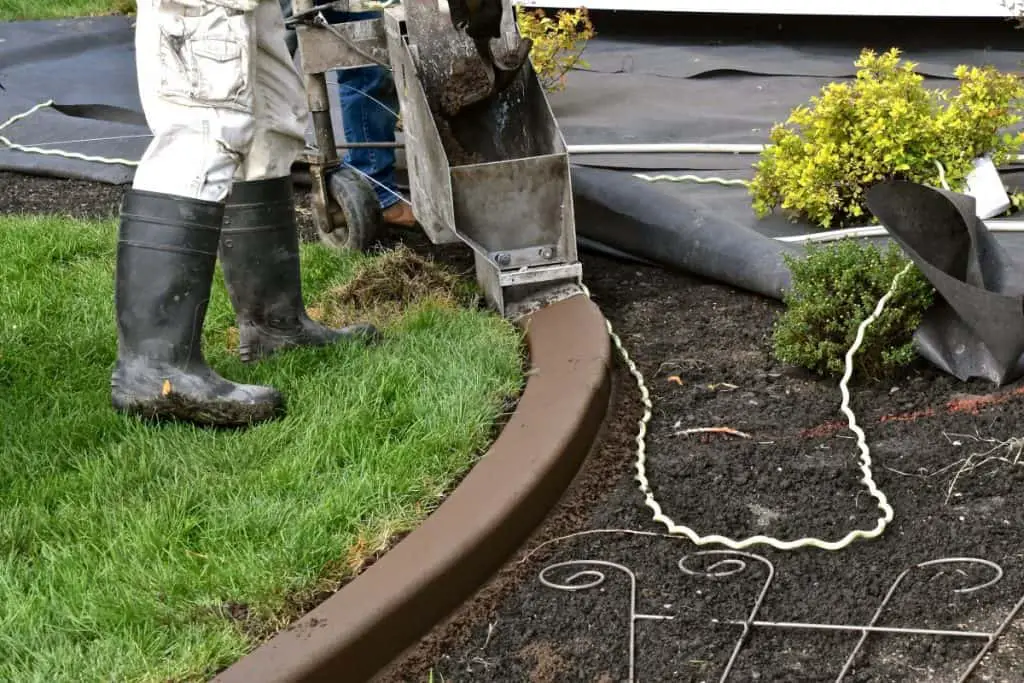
590	575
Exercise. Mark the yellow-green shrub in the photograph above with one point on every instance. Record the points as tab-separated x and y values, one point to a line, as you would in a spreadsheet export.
558	42
885	124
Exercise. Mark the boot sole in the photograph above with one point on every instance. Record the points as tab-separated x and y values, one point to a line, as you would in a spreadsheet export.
176	408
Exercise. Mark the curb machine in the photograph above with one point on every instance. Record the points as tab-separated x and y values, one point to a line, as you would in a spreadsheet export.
487	162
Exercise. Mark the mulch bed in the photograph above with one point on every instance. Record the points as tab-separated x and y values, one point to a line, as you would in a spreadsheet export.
704	351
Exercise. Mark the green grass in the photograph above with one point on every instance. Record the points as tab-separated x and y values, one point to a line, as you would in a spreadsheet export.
28	10
121	543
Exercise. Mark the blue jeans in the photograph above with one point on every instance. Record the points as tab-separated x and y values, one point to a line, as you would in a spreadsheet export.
369	106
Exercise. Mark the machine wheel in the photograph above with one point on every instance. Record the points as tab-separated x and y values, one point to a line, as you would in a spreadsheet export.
354	212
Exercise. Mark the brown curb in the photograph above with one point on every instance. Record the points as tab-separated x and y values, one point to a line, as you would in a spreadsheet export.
359	630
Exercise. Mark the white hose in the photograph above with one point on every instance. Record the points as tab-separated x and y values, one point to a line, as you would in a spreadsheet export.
580	150
871	230
668	148
867	478
1003	225
679	148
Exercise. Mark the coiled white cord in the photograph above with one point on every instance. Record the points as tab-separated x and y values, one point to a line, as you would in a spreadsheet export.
867	479
689	178
6	142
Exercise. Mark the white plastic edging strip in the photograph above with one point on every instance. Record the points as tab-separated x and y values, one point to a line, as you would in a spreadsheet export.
667	148
678	148
863	8
879	231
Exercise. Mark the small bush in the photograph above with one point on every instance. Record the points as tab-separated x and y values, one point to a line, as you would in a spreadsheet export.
558	43
883	125
834	289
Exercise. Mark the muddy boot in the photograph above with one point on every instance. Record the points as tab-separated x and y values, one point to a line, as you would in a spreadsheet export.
259	252
165	265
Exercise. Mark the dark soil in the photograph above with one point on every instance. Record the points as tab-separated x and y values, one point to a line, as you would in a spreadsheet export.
467	85
78	198
455	151
704	351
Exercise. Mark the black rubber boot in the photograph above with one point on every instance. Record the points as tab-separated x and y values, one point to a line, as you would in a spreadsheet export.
259	253
165	265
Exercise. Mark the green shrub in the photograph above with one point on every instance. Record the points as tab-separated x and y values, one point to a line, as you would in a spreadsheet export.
834	289
883	125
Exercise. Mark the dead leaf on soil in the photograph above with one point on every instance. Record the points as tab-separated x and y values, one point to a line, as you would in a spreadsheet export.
548	664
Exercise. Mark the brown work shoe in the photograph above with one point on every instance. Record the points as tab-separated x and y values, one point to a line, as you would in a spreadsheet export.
400	214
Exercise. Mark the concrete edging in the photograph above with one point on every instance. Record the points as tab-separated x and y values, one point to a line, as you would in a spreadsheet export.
359	630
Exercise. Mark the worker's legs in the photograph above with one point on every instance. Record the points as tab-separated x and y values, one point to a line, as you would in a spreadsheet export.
196	86
280	110
369	106
369	113
260	244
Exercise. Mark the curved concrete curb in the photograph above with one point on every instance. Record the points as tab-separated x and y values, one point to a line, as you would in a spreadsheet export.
364	626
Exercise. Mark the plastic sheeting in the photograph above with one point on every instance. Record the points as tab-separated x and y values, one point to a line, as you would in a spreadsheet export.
87	68
976	328
688	88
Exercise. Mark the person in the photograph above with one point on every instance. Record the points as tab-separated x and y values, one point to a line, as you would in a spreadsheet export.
369	113
228	114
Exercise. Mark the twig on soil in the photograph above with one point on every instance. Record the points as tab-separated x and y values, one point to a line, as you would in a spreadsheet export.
678	364
1013	446
714	430
949	437
590	532
905	474
490	632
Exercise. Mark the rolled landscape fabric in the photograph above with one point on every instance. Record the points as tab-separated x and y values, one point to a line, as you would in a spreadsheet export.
632	216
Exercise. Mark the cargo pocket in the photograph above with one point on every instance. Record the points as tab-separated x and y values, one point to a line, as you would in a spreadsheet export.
205	60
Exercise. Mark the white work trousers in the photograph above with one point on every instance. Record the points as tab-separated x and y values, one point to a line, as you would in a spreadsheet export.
220	93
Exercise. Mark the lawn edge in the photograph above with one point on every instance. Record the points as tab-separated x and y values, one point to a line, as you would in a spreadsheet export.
373	619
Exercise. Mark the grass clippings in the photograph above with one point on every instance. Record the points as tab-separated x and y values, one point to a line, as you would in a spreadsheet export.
131	552
381	288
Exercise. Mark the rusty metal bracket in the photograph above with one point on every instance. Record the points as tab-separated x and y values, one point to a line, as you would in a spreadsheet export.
352	44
